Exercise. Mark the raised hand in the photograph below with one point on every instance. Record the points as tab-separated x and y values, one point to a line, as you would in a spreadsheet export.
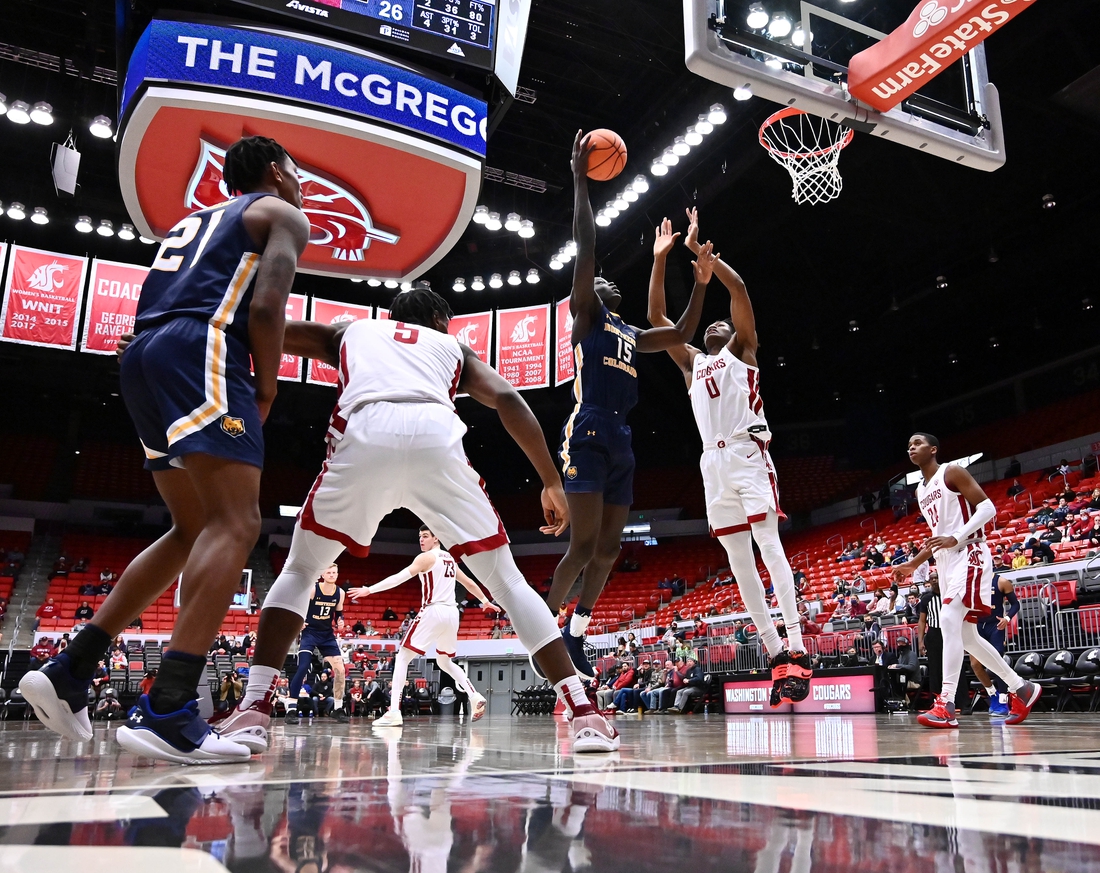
692	238
579	160
665	239
704	266
358	593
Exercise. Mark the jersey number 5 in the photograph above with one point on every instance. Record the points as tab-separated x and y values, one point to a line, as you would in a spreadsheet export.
406	334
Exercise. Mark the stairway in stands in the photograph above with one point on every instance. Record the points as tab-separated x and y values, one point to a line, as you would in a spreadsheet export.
30	591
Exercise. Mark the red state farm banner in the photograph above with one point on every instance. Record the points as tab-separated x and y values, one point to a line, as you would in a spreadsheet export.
475	330
42	295
523	346
111	306
563	342
290	366
932	38
331	312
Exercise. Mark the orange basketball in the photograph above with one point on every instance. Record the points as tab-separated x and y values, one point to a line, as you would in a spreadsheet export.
608	155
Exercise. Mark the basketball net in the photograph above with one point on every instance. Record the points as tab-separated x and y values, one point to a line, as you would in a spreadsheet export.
808	147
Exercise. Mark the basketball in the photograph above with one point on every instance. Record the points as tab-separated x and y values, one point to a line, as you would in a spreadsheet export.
608	155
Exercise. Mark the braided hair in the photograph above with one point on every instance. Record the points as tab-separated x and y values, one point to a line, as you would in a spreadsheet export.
247	160
418	306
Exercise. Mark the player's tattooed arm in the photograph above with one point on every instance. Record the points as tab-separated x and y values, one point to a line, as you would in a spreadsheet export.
683	354
584	303
744	342
319	342
658	339
489	388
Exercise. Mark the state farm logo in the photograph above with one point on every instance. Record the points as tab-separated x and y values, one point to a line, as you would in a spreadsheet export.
468	334
338	218
524	329
931	14
45	277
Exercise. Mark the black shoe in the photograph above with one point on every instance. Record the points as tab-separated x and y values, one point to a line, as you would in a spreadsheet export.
796	687
779	676
291	718
339	715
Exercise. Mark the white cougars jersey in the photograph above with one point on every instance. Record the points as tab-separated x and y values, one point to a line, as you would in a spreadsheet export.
946	511
394	362
725	396
438	584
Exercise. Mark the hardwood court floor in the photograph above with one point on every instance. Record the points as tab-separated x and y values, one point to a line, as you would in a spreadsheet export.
767	794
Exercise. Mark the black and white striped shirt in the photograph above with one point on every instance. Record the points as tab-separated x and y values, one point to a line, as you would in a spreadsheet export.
930	606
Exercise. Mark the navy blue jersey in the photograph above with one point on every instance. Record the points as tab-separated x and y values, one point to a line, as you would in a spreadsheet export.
205	269
322	609
1003	605
604	362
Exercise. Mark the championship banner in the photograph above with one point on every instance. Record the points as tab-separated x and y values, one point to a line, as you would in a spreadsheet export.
111	306
934	36
474	330
290	366
563	324
383	314
42	296
523	346
331	312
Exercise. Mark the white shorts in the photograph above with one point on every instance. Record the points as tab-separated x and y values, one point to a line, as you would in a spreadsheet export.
436	625
967	573
739	483
407	455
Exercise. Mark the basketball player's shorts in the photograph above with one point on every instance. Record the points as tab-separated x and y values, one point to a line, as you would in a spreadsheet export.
436	625
409	455
988	630
325	643
739	483
967	574
188	388
596	455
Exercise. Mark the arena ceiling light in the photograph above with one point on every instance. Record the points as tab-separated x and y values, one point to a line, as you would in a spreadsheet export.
798	38
17	211
493	222
406	286
514	278
526	228
742	93
916	476
692	137
481	214
42	113
126	232
680	147
555	264
495	281
19	112
145	240
106	228
717	114
511	222
477	284
392	284
610	211
779	26
459	286
533	277
703	126
669	158
40	216
101	127
286	511
602	219
757	18
659	168
374	283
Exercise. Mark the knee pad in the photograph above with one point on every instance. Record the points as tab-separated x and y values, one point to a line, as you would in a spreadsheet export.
530	616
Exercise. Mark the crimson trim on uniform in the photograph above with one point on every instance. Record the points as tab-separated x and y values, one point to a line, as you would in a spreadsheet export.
448	654
309	522
406	643
759	517
458	375
477	546
732	529
771	475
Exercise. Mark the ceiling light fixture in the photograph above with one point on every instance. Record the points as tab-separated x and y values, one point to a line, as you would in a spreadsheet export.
758	17
1048	199
3	104
703	126
692	137
481	214
799	36
356	281
526	228
392	284
374	283
493	222
511	223
126	232
620	204
17	211
630	195
680	146
406	286
570	248
143	239
941	282
495	281
42	113
640	184
40	216
659	168
19	112
459	286
101	127
670	158
477	284
555	264
106	228
773	63
717	114
742	92
779	26
533	277
602	219
514	278
610	211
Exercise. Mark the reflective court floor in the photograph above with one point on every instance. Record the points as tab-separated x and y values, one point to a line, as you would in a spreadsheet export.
765	794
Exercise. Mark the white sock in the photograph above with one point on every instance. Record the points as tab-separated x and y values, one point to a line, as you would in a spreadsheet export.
578	624
572	692
991	691
261	684
338	704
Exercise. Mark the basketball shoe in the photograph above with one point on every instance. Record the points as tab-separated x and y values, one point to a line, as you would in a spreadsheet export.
941	715
592	732
246	724
1021	701
181	737
59	700
479	705
796	686
780	665
575	647
998	708
339	715
390	719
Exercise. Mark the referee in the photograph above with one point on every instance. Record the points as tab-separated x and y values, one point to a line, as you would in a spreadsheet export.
929	637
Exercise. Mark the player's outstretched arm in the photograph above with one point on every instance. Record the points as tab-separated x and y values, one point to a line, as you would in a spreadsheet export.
684	354
489	388
286	231
584	304
422	564
475	589
658	339
744	342
319	342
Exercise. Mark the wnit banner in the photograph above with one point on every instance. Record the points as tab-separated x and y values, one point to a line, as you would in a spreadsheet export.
42	294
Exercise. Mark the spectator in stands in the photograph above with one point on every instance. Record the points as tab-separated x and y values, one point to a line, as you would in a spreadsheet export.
41	652
101	679
679	586
674	681
799	581
119	661
355	697
359	628
136	624
628	697
83	612
60	567
81	566
221	645
899	556
683	650
230	692
693	687
108	706
843	609
809	626
89	589
358	655
871	630
117	645
496	629
1080	526
389	614
907	669
376	697
1032	534
106	577
649	697
369	630
880	605
1019	559
858	585
852	658
1060	511
880	660
912	606
999	563
873	558
1094	500
1013	468
668	639
46	610
1015	488
1048	538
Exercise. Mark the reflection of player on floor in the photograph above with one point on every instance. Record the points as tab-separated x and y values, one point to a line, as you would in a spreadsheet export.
215	297
397	442
957	512
325	609
738	476
435	625
596	455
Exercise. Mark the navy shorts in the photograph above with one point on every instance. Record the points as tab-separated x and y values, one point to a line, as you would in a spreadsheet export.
596	455
324	642
188	388
988	630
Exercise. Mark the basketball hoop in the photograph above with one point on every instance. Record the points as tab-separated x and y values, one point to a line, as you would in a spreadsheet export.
809	148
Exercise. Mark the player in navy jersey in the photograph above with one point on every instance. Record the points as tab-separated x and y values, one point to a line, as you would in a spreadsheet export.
993	628
597	460
216	293
325	608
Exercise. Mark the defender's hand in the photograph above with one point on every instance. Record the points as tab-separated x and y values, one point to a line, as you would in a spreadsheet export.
665	239
555	510
704	266
692	238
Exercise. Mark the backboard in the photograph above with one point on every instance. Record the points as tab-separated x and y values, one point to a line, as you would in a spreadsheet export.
796	53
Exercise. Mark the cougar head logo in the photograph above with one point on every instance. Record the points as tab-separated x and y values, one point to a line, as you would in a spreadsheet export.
468	334
44	278
524	329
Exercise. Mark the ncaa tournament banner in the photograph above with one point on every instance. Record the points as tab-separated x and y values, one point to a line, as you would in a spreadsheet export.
474	330
42	296
331	312
563	343
523	346
111	305
290	366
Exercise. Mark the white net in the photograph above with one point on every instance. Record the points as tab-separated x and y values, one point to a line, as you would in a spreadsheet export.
808	147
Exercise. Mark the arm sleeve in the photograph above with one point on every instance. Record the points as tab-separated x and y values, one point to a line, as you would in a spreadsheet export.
389	582
984	513
1013	605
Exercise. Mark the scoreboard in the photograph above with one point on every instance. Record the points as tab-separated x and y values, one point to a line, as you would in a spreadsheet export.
461	31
